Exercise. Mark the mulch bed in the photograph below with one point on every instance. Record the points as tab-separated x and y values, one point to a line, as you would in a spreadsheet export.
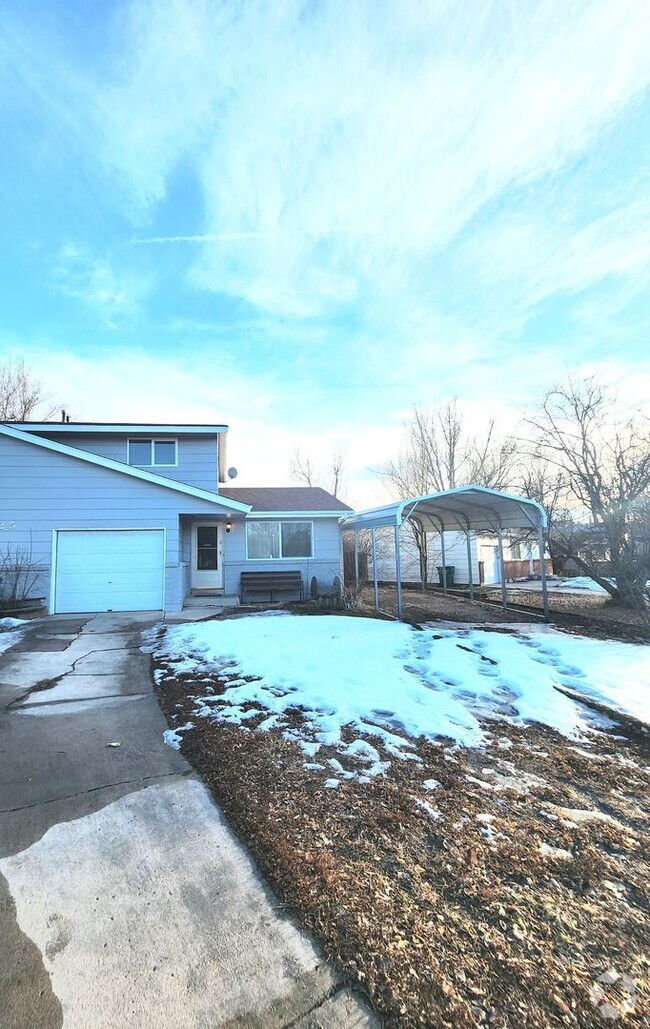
441	906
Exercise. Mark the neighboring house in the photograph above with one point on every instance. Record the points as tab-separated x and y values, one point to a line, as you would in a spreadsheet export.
128	517
521	559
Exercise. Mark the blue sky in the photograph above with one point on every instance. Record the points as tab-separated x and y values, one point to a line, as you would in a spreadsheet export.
302	218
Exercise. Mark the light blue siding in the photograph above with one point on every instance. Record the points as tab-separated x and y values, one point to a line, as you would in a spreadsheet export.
197	455
325	564
455	554
41	490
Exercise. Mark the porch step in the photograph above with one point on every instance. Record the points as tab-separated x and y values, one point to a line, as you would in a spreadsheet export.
211	599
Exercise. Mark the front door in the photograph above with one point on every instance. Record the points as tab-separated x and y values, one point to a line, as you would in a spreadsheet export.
207	556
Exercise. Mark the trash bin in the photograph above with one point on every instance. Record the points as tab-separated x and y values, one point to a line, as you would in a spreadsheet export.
451	569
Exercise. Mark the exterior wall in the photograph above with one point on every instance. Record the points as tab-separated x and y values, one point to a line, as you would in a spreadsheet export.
197	455
325	564
515	568
41	490
455	554
483	552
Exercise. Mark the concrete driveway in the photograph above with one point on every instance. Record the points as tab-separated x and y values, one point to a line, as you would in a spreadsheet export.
125	899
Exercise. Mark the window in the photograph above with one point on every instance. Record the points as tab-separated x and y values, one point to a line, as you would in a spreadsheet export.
515	551
153	452
268	541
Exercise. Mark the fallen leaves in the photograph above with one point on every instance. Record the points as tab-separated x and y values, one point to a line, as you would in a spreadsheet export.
436	922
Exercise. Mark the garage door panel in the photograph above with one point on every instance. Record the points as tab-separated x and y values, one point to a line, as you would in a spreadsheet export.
109	570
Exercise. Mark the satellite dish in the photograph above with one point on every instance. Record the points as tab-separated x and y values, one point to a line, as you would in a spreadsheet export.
232	473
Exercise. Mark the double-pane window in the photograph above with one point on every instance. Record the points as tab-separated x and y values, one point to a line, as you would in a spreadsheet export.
267	540
150	453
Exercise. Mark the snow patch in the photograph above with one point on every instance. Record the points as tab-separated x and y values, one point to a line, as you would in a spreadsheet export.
173	738
10	633
555	852
392	683
430	784
431	811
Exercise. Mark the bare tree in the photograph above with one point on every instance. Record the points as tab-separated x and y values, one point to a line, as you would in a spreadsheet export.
337	472
440	453
19	574
21	394
302	469
602	460
333	474
548	486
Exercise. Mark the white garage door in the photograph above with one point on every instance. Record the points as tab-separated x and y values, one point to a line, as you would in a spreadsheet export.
109	570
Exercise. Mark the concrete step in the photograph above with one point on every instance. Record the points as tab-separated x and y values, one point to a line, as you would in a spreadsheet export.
212	600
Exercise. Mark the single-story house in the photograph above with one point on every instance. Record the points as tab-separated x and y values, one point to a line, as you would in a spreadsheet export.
520	559
128	517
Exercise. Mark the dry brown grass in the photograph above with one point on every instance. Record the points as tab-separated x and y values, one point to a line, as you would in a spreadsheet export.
456	920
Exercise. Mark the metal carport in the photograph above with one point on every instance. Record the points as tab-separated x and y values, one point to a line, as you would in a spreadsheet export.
466	509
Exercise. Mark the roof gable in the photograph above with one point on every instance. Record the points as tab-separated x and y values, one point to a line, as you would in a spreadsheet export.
124	469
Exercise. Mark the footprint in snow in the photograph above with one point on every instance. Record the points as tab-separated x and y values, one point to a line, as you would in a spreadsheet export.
489	671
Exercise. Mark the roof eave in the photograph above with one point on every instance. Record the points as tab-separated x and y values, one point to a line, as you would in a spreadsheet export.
297	514
58	428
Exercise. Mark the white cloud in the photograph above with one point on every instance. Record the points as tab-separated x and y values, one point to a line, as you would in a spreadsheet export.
397	128
113	292
531	257
332	141
337	151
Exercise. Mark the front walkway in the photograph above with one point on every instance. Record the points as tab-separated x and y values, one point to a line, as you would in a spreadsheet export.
125	899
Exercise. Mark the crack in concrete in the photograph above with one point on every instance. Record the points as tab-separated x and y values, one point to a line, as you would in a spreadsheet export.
83	700
336	988
109	650
88	675
42	685
97	789
48	684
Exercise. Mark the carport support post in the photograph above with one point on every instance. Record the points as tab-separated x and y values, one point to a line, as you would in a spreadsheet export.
502	567
374	566
444	562
542	569
469	565
398	572
356	559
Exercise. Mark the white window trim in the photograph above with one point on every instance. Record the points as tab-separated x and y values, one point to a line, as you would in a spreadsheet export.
152	453
280	521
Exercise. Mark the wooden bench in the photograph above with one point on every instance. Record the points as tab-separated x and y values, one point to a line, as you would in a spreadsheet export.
270	582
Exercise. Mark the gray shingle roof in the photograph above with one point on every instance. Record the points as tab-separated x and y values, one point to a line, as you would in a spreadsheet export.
286	498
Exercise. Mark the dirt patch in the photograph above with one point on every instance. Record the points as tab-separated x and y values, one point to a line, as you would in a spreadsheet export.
587	616
511	892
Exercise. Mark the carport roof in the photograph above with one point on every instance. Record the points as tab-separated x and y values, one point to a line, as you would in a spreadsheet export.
474	508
